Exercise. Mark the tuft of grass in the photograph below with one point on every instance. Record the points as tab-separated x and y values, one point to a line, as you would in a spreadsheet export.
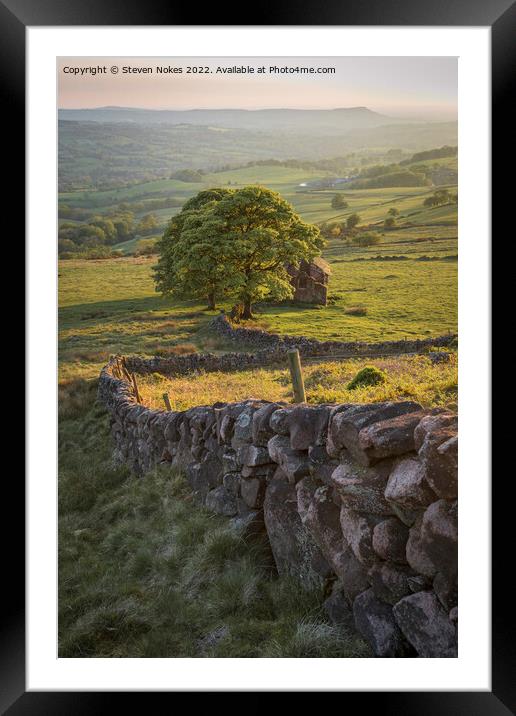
366	377
180	349
356	311
144	572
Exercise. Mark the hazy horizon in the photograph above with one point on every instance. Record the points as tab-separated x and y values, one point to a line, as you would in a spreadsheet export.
398	87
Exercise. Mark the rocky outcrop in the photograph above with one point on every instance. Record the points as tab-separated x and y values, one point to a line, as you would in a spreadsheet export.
358	499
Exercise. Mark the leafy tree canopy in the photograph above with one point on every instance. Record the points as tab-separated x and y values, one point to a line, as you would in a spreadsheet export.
339	202
234	243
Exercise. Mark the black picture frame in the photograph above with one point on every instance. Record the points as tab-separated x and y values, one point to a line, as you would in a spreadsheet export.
500	15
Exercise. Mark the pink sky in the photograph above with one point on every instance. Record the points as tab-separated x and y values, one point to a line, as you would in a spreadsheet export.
399	86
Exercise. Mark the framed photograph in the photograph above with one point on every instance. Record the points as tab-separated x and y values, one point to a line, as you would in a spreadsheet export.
259	315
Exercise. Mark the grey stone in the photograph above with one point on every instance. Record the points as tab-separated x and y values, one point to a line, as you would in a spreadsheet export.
229	461
293	462
433	423
347	424
171	431
294	550
261	430
416	556
253	491
419	583
265	471
439	455
353	576
390	540
408	517
307	425
362	488
320	516
445	588
279	421
334	448
339	612
252	456
407	485
204	476
358	533
439	536
231	481
198	451
226	428
389	438
375	621
426	625
221	501
243	429
320	464
390	582
305	490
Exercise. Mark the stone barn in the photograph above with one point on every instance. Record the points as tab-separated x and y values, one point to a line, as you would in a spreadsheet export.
310	281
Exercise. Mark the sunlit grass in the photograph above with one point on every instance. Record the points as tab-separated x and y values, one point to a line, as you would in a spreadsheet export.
406	377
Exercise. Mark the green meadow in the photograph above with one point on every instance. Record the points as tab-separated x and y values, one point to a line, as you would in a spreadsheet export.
405	286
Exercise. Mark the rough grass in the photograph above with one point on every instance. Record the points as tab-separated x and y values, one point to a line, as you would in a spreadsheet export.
143	572
405	377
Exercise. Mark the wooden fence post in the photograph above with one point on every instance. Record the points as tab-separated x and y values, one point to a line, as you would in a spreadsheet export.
135	388
167	401
296	376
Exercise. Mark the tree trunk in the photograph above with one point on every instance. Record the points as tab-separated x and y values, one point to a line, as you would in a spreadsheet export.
211	301
247	312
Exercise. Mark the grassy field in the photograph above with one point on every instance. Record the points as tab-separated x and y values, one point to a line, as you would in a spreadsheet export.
395	283
111	306
143	572
405	378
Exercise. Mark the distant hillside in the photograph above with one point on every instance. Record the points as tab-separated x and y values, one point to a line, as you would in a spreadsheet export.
305	120
101	155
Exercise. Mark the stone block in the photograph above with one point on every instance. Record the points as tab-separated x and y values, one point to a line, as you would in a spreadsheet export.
390	540
362	488
407	485
221	501
375	621
358	533
426	625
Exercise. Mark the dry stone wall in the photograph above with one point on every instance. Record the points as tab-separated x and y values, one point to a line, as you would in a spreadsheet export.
259	339
359	498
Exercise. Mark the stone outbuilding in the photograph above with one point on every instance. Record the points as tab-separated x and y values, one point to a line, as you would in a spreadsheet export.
310	281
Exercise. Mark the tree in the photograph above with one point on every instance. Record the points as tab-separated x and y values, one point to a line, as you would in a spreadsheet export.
438	198
147	225
393	211
236	243
146	247
353	220
107	227
193	252
366	239
339	202
65	245
266	234
389	222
